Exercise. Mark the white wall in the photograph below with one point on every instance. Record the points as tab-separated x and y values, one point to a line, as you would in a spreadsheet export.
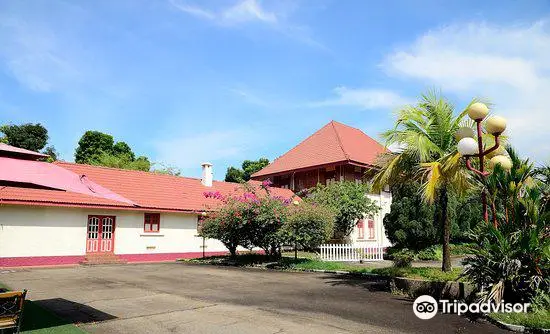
44	231
383	200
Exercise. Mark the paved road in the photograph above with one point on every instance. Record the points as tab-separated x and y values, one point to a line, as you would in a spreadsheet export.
181	298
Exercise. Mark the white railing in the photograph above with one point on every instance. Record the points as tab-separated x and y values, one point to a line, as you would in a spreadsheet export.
350	252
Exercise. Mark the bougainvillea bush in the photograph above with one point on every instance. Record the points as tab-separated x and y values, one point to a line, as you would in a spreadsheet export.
255	218
250	219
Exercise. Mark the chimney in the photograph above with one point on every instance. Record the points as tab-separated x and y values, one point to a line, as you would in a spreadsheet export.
207	176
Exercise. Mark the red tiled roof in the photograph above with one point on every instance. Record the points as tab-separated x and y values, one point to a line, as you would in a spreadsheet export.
20	153
335	142
150	191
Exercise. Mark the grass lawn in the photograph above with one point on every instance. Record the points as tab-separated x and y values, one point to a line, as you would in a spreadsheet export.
427	273
309	261
537	319
38	320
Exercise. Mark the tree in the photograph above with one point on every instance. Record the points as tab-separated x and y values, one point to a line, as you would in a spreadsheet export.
252	166
92	146
122	161
426	131
165	169
249	167
234	175
410	223
121	148
308	225
51	152
349	202
28	136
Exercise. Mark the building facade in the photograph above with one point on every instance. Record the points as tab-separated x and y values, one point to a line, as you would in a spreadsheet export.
336	152
65	213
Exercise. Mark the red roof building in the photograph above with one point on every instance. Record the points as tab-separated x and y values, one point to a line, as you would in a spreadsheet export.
335	152
66	213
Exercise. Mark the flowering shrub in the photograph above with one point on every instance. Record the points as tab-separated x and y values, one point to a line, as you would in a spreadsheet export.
308	225
251	219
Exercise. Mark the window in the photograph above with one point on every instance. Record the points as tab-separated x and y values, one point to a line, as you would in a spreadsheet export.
360	229
371	228
151	222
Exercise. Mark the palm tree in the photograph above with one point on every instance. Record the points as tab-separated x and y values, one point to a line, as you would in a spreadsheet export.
425	132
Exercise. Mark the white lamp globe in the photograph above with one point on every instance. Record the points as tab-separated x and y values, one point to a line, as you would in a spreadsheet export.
465	132
468	146
495	125
478	111
501	160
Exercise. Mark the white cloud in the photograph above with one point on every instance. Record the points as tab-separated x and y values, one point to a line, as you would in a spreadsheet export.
242	12
193	10
32	55
252	11
507	64
248	10
363	98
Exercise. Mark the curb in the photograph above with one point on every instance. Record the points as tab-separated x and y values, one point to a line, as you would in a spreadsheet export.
516	328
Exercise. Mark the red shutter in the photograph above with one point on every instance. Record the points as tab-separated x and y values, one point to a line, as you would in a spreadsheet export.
371	229
361	229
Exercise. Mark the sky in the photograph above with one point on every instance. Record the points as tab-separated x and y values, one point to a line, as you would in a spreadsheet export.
184	81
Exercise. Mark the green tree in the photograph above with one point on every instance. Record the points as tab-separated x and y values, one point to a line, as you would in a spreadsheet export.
121	148
248	168
122	161
234	175
252	166
51	152
410	223
308	225
426	132
348	201
92	146
28	136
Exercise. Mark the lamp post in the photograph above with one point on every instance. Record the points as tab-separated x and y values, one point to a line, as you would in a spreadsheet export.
469	147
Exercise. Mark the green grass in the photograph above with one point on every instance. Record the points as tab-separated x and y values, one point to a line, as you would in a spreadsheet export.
427	273
324	265
38	320
309	261
537	319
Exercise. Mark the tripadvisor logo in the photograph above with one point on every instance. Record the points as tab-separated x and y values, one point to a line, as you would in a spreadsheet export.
425	307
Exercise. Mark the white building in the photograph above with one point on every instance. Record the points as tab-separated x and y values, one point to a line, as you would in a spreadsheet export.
66	213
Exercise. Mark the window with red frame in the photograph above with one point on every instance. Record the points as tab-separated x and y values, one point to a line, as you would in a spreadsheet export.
371	228
151	222
361	229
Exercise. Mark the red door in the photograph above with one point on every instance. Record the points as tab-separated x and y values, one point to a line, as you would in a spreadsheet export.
100	236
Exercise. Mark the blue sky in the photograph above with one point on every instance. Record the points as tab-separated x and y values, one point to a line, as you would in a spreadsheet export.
189	81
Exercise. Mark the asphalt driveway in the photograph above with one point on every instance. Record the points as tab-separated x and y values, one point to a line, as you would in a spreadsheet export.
181	298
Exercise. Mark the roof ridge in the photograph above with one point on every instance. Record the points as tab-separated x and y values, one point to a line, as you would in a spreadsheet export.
339	140
304	140
61	162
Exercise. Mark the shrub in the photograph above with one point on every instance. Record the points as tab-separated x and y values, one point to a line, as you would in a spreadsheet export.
403	258
348	201
252	219
433	253
308	225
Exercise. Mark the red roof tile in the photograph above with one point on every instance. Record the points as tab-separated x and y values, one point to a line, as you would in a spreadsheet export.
335	142
150	191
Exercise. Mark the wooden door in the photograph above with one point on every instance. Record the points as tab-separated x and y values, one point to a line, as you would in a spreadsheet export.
100	237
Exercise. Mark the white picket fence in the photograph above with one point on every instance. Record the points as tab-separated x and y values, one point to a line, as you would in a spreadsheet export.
350	252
